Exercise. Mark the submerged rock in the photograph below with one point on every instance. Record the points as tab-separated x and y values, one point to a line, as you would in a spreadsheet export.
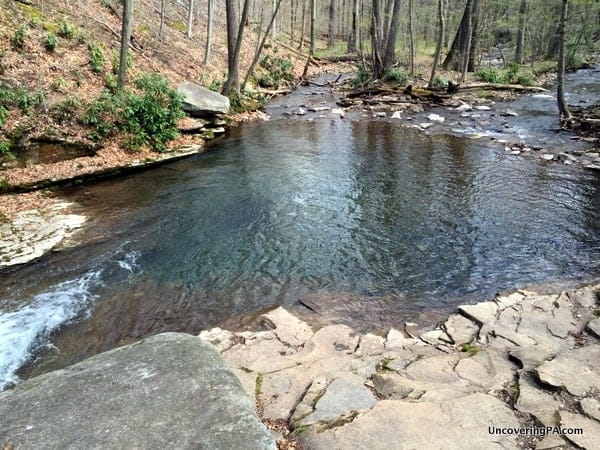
172	390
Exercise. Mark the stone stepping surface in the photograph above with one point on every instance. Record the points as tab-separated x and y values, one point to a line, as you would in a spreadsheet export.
521	371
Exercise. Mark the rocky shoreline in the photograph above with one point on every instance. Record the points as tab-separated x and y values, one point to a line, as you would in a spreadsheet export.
522	371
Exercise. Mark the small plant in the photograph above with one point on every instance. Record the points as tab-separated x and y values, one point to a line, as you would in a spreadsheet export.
470	349
110	81
25	101
488	75
258	385
362	76
524	80
440	82
3	115
395	76
116	63
18	39
50	42
34	22
66	30
276	71
58	84
66	109
96	59
246	101
5	148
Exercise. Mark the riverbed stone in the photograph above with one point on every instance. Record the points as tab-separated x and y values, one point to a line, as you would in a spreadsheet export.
288	328
395	386
532	399
590	437
586	297
407	425
434	369
172	390
260	352
460	329
594	326
201	102
483	312
577	370
370	344
591	407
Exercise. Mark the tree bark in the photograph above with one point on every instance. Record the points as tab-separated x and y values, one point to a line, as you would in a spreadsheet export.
459	48
125	38
440	40
209	29
389	57
521	32
353	35
234	44
411	38
162	19
331	29
303	25
313	31
563	108
190	19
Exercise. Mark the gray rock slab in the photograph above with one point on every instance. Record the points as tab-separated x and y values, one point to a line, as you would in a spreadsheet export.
307	405
261	352
345	396
434	369
398	387
578	370
533	398
481	313
589	439
586	297
370	344
201	102
396	424
288	328
460	329
594	326
172	390
591	407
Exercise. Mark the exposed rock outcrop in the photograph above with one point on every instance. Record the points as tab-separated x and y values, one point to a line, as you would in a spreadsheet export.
201	102
172	390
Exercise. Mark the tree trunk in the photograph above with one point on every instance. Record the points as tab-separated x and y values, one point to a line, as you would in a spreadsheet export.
376	40
411	46
389	57
162	19
234	44
563	108
303	28
521	32
293	11
331	30
190	19
313	31
440	40
474	37
353	35
125	38
459	47
209	28
261	45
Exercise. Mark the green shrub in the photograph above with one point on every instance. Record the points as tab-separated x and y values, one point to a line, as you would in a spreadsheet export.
66	109
58	84
216	85
26	101
395	76
524	80
147	116
246	101
440	82
5	147
110	81
50	42
66	30
116	63
276	72
3	115
362	76
488	75
96	58
18	39
34	22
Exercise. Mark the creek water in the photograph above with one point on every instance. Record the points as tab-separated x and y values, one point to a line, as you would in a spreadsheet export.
285	209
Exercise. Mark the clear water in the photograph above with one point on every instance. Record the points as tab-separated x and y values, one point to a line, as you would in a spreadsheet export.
284	209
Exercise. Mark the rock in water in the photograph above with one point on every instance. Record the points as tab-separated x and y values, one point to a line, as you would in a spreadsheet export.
435	118
199	101
172	390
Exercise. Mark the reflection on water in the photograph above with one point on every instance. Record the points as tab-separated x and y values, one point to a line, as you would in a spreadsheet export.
284	210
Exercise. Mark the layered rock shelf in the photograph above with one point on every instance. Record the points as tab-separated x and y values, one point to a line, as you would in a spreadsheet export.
522	371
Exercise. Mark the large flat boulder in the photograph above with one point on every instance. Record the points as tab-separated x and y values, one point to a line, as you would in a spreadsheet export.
201	102
171	390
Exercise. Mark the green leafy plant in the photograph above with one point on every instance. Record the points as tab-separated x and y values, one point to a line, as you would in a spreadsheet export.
58	84
66	109
147	116
50	42
18	39
116	63
362	76
5	148
276	71
246	101
440	82
110	81
395	76
3	115
96	58
66	30
488	75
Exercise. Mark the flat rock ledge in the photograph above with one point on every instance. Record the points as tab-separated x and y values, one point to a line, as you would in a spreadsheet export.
519	372
33	233
172	391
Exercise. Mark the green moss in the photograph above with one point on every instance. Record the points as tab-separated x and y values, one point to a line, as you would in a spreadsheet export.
179	26
384	365
258	384
472	350
31	12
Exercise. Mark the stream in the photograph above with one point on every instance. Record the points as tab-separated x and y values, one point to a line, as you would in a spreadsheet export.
399	221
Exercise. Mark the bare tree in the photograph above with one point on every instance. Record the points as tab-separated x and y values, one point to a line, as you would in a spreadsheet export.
209	27
162	19
125	38
383	39
190	19
563	107
440	40
313	30
411	39
331	31
235	33
460	48
521	32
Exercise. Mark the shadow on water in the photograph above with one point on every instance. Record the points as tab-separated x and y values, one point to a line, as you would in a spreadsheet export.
369	223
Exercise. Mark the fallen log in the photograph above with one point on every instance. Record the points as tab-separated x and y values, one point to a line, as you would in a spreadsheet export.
500	87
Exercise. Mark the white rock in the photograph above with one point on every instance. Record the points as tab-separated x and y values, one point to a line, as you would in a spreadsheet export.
397	115
464	107
436	118
483	108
